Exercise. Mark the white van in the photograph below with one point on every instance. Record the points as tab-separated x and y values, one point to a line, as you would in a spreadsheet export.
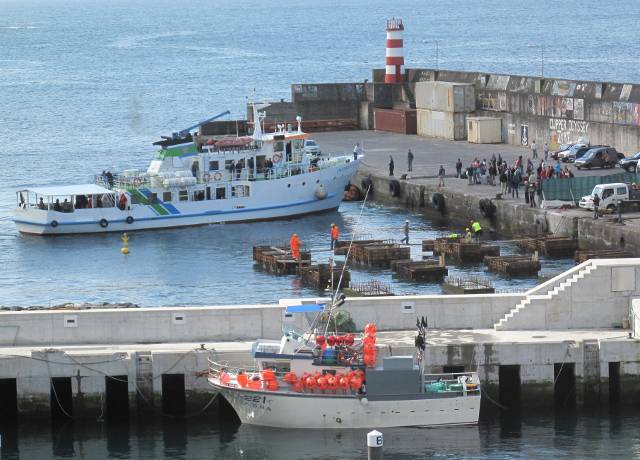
610	195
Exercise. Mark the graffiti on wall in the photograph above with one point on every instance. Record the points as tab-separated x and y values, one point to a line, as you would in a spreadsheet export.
496	101
553	106
567	131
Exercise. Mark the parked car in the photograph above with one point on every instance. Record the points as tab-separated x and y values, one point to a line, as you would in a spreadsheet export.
599	157
610	195
563	148
311	147
629	164
570	152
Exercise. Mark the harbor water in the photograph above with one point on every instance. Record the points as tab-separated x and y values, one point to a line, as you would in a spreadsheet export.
585	436
86	86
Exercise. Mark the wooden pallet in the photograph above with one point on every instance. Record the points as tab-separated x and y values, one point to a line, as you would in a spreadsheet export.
464	251
513	265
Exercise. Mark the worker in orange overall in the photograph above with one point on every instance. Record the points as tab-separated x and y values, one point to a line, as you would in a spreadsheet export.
335	234
295	246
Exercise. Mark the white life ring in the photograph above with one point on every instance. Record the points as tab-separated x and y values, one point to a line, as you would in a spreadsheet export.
217	176
276	158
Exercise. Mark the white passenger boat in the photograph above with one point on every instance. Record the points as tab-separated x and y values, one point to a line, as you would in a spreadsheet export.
336	381
196	180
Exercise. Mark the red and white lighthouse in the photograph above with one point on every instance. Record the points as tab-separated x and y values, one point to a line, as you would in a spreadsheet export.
394	69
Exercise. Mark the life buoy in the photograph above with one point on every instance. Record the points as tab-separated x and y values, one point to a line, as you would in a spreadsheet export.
217	176
129	219
487	208
136	182
437	200
104	223
276	158
394	188
54	223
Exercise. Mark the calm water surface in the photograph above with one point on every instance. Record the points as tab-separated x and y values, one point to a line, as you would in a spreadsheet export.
87	85
584	436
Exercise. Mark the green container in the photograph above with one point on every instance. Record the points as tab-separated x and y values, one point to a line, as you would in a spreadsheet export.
436	387
455	387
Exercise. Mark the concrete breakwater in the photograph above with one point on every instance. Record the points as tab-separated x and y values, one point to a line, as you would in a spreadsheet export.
573	339
461	203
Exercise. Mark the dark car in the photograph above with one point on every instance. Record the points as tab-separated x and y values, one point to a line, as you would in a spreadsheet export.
599	157
571	154
563	148
629	163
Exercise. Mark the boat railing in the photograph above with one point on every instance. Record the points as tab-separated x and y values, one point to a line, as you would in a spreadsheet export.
457	382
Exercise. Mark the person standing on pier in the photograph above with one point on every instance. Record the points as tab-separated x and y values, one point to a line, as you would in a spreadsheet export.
391	165
405	240
441	174
458	169
534	149
410	160
596	203
335	234
295	246
546	150
356	151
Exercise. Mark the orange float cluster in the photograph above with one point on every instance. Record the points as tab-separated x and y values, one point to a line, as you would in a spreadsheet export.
369	345
266	380
344	381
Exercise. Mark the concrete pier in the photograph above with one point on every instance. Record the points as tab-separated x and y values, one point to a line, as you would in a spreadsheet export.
575	338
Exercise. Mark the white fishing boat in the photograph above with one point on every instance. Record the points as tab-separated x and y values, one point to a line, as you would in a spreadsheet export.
336	381
196	180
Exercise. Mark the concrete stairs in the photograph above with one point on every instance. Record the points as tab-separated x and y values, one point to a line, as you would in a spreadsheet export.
530	312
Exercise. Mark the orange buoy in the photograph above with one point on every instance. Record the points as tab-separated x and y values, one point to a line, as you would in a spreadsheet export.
268	375
254	383
298	387
290	377
369	340
242	380
370	329
369	348
272	385
310	382
322	383
344	382
355	383
332	382
224	378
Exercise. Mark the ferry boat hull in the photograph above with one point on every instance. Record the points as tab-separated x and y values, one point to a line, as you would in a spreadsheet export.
312	411
287	197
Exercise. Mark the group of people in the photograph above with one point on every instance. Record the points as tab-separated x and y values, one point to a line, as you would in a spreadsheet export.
512	177
107	178
473	231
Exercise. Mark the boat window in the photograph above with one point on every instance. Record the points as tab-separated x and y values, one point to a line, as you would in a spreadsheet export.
289	155
198	195
221	193
277	366
229	165
278	146
240	191
166	196
214	165
183	195
208	193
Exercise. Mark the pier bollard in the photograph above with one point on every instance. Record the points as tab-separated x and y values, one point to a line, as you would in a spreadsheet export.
374	445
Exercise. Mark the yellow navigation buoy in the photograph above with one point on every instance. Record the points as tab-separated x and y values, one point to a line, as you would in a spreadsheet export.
125	244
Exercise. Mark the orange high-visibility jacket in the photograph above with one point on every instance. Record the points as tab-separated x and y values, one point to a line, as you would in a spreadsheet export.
335	233
295	243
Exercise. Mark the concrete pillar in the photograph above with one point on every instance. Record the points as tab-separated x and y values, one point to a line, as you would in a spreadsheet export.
589	393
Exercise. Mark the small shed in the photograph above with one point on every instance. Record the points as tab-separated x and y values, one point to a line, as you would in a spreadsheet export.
484	130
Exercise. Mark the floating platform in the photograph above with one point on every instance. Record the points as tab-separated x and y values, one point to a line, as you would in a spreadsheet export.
379	255
458	285
341	247
319	276
371	288
427	245
279	260
584	255
514	265
427	270
550	246
464	251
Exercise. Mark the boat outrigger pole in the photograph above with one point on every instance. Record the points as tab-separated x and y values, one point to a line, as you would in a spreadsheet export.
185	132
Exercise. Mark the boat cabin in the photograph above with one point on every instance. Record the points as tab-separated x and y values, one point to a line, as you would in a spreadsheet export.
68	198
